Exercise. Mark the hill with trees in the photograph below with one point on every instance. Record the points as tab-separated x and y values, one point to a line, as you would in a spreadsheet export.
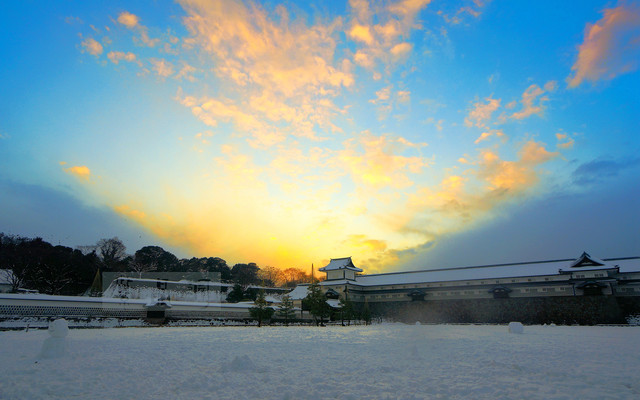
32	263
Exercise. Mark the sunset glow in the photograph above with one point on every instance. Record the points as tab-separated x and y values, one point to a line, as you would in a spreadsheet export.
286	133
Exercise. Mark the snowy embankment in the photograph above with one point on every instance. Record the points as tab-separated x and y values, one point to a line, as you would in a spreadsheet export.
358	362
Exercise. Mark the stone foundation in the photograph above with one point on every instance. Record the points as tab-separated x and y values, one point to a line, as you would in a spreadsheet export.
588	310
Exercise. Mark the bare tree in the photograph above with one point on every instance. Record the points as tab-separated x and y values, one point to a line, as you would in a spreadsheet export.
15	279
292	276
270	275
142	267
112	252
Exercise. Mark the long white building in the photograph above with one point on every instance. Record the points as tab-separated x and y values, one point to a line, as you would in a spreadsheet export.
476	289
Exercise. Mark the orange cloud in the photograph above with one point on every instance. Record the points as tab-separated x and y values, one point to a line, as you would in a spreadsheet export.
457	17
533	100
611	46
117	56
383	40
463	199
186	72
92	46
81	172
374	161
282	57
162	67
369	245
127	19
533	153
132	21
481	112
568	142
486	135
136	215
401	49
281	76
404	96
361	33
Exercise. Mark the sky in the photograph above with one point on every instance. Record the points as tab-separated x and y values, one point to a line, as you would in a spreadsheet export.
406	134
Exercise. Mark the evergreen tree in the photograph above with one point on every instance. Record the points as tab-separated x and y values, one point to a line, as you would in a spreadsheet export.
262	311
285	311
236	294
251	294
346	310
316	303
365	315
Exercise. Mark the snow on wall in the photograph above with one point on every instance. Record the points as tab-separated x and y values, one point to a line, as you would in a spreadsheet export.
120	291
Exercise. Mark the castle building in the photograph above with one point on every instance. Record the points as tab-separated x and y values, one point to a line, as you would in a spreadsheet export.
492	293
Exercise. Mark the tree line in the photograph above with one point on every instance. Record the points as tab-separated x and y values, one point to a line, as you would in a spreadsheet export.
32	263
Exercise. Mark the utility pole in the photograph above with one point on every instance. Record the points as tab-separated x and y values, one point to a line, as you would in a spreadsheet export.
312	273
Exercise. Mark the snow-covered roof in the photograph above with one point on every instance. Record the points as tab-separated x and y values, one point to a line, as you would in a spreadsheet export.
5	276
299	292
333	303
585	260
340	263
537	268
272	299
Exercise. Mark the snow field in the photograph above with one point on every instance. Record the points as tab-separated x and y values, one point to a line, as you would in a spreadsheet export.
387	361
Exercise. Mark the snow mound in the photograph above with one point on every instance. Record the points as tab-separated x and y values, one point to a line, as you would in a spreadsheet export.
241	364
516	327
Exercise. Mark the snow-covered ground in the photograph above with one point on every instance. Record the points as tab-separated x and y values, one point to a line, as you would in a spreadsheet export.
360	362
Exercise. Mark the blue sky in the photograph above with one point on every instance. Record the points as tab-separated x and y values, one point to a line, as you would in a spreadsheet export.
407	134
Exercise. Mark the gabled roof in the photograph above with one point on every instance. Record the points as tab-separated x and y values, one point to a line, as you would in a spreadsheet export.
585	260
340	263
299	292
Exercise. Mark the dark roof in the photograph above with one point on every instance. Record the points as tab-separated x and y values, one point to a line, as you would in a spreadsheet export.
340	263
585	260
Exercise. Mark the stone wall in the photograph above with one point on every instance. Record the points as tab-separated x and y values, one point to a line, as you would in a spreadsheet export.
587	310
